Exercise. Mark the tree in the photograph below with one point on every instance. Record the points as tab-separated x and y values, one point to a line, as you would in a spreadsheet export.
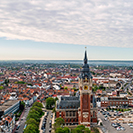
37	104
81	129
62	130
50	102
95	130
54	110
59	130
56	99
65	88
6	82
1	87
38	109
22	106
87	130
34	116
31	128
32	121
66	130
59	122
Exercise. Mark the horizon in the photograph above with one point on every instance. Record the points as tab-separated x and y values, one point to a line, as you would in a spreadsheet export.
68	60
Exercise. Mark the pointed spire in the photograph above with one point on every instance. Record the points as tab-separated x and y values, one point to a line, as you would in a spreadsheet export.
85	58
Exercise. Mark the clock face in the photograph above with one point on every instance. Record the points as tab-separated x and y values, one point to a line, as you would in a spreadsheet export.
85	87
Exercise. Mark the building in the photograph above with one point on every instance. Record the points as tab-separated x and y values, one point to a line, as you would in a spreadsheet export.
115	101
87	111
10	106
79	109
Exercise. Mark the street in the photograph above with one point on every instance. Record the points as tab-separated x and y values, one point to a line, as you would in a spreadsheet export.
47	124
23	120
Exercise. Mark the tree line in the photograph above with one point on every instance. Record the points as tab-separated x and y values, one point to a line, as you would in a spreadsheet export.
33	118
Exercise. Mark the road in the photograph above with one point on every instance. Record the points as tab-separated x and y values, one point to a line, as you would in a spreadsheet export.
128	85
23	120
47	124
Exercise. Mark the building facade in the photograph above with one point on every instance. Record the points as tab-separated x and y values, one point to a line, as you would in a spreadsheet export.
115	101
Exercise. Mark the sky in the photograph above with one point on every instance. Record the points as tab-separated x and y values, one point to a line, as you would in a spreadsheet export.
61	29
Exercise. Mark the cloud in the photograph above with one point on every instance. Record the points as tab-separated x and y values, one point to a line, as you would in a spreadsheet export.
86	22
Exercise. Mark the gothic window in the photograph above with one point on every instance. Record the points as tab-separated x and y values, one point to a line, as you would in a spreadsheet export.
70	114
73	113
66	113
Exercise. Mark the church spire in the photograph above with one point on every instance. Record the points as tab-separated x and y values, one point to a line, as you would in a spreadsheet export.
85	58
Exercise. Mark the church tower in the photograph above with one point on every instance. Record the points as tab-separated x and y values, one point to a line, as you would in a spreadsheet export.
87	113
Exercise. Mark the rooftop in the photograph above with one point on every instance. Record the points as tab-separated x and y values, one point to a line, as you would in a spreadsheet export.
8	104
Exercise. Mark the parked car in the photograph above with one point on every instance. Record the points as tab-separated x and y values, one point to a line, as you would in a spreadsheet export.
122	128
118	124
105	119
118	128
103	113
17	127
131	126
106	116
113	124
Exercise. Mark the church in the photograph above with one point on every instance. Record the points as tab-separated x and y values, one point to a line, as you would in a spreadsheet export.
80	109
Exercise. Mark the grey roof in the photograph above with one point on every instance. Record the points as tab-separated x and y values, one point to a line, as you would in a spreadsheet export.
71	102
8	104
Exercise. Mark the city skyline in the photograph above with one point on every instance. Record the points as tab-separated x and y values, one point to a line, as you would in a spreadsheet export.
59	30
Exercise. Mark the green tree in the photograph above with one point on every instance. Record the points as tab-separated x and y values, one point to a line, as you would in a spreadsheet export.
6	82
66	130
33	115
38	109
37	104
54	110
95	130
1	87
50	102
59	130
32	121
59	122
22	106
31	128
56	99
65	88
81	129
87	130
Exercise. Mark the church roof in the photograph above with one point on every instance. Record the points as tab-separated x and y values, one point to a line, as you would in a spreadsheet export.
71	102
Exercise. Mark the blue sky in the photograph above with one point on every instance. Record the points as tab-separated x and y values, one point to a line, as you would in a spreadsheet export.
60	29
27	49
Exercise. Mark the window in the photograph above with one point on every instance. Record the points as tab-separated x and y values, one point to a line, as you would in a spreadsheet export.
93	113
73	113
66	113
70	114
